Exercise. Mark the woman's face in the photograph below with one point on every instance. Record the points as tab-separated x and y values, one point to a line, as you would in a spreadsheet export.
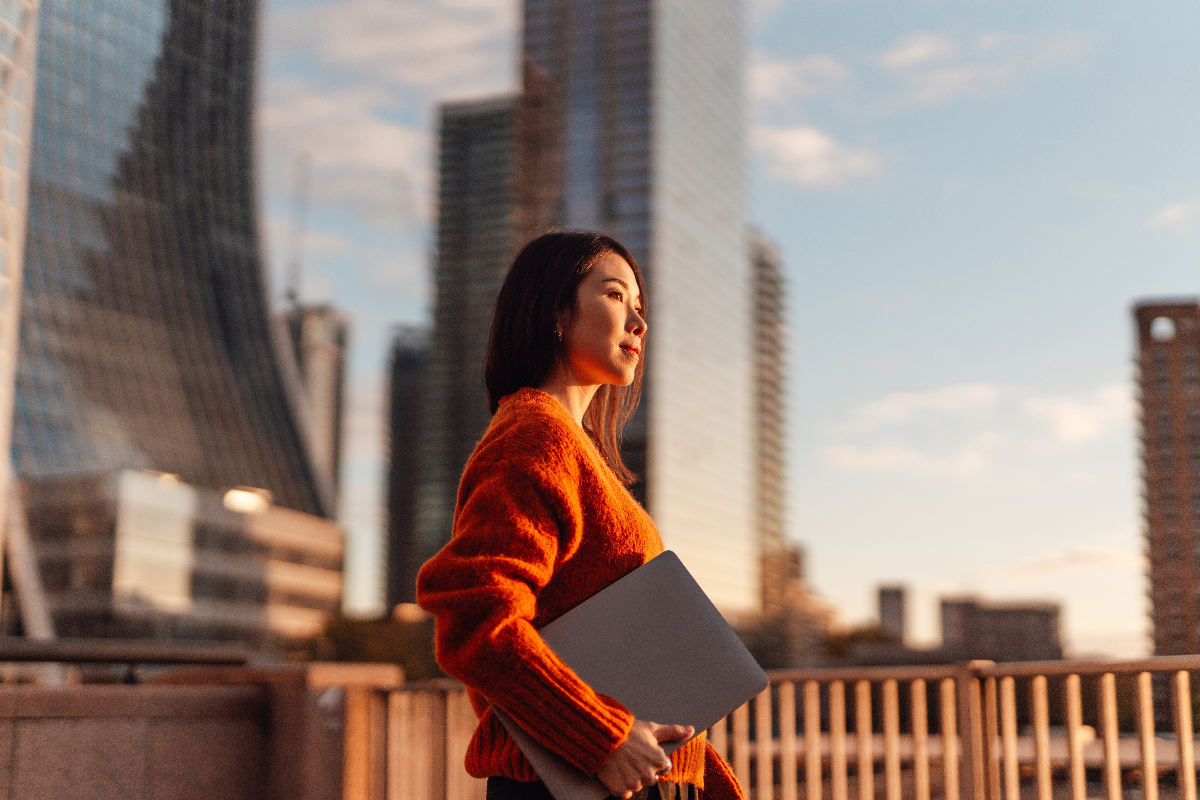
603	339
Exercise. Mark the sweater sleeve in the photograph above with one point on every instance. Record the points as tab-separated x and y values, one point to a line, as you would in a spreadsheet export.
482	590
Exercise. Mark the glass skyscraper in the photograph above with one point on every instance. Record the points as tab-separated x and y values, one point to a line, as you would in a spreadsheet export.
160	419
145	338
649	102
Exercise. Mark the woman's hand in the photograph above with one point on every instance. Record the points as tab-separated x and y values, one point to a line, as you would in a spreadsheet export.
637	761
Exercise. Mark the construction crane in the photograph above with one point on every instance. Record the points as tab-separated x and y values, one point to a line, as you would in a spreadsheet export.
299	221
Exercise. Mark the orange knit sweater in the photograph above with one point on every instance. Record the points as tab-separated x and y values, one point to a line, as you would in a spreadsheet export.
541	525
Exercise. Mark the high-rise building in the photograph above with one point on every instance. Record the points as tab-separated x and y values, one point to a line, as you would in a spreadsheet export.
476	241
146	345
406	379
1169	379
770	392
649	105
633	129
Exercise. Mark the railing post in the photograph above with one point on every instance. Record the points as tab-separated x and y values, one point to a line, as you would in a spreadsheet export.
787	740
970	702
863	735
764	741
812	740
991	733
1183	734
1075	738
1146	734
950	740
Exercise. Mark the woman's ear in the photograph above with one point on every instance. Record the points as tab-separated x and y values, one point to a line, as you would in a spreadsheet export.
562	322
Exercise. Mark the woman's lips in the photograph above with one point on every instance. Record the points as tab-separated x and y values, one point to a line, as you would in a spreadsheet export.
634	351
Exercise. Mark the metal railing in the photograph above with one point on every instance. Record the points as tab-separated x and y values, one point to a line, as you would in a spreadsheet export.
972	731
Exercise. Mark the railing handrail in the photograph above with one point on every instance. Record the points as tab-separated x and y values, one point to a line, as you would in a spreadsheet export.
990	669
118	651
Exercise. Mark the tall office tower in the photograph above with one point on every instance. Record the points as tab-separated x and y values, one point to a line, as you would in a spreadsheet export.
476	240
406	377
146	345
318	335
1169	376
649	104
18	54
770	387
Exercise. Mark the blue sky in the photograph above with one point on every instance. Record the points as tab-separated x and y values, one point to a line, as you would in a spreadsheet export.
967	195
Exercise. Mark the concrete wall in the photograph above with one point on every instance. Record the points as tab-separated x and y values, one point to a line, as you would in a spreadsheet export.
133	742
289	732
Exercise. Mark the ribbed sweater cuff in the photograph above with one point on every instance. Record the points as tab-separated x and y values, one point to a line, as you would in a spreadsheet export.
584	735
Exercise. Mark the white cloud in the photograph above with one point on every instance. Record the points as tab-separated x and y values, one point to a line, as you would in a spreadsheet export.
970	459
934	69
1076	421
442	47
778	82
809	157
361	160
1080	557
903	406
918	48
1176	214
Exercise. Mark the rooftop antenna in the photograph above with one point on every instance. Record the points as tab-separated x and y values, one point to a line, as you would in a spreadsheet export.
299	218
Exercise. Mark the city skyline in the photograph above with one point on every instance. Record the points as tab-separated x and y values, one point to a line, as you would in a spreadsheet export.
967	199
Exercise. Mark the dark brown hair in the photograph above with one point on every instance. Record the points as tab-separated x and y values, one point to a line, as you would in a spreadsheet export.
523	345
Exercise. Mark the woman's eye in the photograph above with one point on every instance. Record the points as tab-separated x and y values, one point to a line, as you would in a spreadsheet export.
614	294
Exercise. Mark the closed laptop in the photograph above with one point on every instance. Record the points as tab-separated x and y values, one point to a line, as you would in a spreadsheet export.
655	642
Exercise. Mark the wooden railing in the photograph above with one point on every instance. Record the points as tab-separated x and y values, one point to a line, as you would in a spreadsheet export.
973	731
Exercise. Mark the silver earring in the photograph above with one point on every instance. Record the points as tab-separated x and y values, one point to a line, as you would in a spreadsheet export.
559	335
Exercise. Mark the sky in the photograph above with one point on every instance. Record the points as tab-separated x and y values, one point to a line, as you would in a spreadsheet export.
968	196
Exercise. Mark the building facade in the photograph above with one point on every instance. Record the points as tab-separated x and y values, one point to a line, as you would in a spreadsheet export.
1168	334
146	342
476	241
18	64
647	105
145	334
406	381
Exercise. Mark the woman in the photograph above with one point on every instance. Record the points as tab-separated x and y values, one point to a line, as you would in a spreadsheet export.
544	521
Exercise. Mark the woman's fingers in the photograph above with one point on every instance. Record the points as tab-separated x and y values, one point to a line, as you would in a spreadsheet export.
671	733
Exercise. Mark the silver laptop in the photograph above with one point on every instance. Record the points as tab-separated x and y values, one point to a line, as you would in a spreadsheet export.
655	642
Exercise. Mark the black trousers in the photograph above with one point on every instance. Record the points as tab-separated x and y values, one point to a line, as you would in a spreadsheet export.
508	789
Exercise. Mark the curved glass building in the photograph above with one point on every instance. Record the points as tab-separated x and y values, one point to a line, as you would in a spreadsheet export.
160	420
145	335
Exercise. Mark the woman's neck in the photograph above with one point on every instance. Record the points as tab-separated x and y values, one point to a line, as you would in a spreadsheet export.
572	396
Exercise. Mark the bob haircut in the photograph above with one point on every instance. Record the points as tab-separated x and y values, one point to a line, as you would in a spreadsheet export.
523	345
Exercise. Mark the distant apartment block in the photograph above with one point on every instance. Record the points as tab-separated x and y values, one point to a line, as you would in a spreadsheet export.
1168	333
1021	631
